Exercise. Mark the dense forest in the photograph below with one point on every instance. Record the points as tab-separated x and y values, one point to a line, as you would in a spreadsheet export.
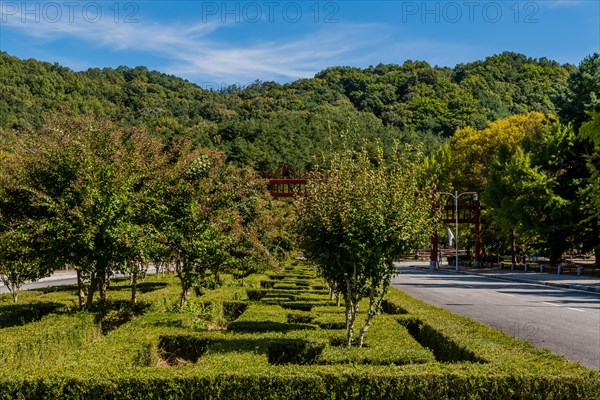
524	133
267	124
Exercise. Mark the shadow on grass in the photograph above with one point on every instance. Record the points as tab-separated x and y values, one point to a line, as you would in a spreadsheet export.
21	314
278	351
56	289
267	326
142	287
111	314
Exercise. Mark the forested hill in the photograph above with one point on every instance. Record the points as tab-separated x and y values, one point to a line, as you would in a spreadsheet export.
268	124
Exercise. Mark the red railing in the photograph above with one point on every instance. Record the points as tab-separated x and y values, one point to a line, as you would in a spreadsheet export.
286	182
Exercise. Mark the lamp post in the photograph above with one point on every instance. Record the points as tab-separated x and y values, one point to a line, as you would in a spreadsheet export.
456	195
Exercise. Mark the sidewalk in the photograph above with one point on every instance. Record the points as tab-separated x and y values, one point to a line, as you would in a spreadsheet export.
586	283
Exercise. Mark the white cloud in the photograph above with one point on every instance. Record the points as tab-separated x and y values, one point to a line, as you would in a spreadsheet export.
562	3
196	52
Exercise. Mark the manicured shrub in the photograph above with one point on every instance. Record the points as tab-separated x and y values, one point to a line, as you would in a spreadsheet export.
389	307
187	347
299	317
233	309
267	284
257	294
292	351
443	348
274	352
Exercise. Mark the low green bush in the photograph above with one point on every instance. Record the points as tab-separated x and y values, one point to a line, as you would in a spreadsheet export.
267	284
233	309
187	347
389	307
285	286
291	351
273	351
335	320
443	348
265	318
299	317
257	294
21	314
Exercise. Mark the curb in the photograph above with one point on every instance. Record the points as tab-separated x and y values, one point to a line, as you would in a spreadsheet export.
520	280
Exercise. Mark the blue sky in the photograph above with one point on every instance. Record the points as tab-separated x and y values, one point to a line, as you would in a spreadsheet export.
216	43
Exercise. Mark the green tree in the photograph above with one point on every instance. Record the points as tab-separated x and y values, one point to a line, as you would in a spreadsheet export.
591	192
531	189
209	216
357	216
582	94
19	261
73	178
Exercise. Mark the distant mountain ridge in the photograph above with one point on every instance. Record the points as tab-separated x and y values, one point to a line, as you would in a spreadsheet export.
269	124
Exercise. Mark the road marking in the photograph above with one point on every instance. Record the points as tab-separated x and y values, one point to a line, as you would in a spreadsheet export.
575	309
506	294
551	304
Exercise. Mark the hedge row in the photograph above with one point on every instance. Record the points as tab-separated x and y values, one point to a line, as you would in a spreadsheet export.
281	344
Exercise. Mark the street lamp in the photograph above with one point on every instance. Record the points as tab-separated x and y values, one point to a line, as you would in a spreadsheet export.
456	195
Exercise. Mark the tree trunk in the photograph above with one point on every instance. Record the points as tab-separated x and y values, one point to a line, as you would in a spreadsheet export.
103	286
374	307
134	286
351	310
513	249
217	276
365	328
185	291
80	292
185	287
90	296
14	291
596	240
554	255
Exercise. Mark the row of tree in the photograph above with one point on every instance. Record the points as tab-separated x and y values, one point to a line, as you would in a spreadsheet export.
103	199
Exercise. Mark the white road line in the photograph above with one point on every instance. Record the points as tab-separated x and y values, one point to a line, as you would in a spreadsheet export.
506	294
575	309
551	304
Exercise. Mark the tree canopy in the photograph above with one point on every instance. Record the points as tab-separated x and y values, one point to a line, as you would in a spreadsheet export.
267	124
359	214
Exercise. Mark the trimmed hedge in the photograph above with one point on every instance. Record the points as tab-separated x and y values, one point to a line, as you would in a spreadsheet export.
277	351
186	347
294	351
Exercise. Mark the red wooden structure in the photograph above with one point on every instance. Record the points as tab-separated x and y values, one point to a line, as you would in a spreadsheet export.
286	182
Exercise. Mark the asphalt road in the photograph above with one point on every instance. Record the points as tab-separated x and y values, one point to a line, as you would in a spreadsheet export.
565	321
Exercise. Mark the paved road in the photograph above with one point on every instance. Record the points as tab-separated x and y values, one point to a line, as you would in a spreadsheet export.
60	280
562	320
